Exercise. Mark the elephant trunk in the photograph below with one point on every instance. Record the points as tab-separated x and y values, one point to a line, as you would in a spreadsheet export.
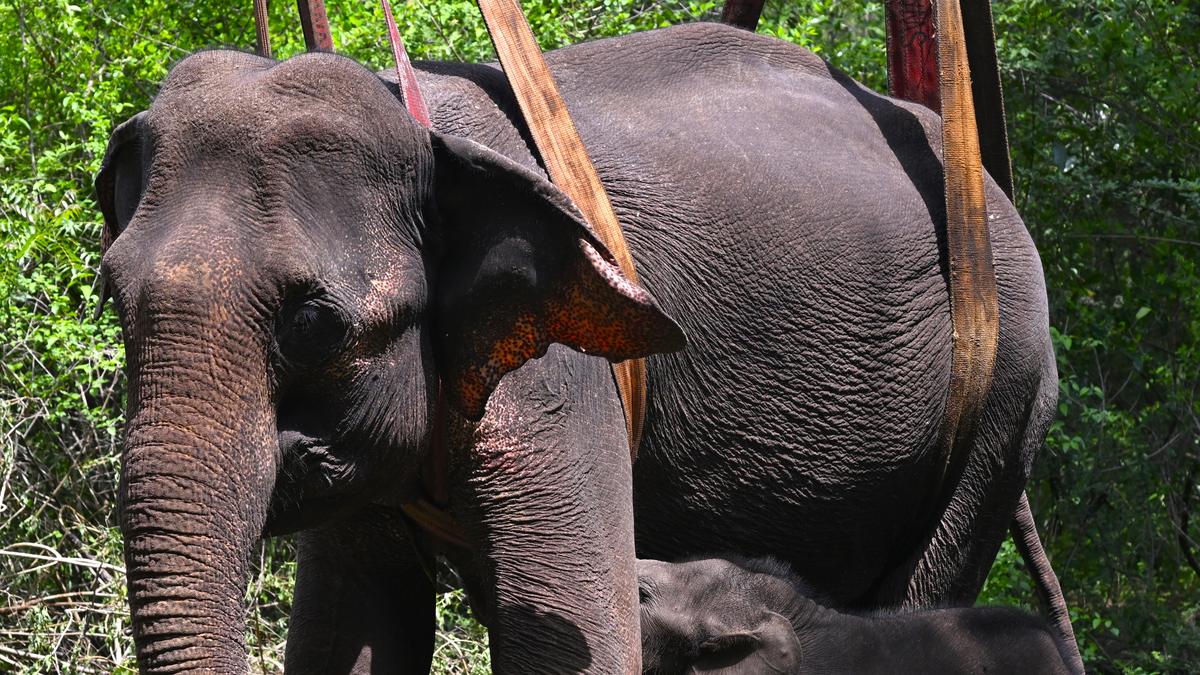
197	474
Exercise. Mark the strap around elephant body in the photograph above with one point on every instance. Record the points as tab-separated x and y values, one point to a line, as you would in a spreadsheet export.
912	59
313	22
261	28
987	91
569	167
974	307
742	13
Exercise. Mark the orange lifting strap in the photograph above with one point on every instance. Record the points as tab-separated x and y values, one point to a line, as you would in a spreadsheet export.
974	307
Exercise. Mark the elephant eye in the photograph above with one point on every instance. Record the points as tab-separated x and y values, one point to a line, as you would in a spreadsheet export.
309	330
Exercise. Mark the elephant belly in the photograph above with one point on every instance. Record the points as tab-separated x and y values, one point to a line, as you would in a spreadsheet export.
784	216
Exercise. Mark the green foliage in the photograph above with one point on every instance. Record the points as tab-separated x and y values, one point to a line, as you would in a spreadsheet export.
1103	113
1105	131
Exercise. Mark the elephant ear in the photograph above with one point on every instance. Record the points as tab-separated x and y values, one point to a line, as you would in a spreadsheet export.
521	270
770	647
119	185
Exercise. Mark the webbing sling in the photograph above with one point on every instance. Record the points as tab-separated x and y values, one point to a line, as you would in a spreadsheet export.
914	58
980	37
261	28
974	308
913	72
569	167
313	21
315	24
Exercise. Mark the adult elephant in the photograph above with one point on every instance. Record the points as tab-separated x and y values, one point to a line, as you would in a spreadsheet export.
298	264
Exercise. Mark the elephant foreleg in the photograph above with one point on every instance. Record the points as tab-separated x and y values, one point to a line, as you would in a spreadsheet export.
545	494
363	603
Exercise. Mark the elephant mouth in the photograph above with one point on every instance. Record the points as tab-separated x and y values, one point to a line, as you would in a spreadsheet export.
313	483
317	481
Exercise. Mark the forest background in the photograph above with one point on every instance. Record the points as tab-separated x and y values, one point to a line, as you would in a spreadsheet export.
1105	126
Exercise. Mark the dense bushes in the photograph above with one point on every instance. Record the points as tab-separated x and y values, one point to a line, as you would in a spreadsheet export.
1106	136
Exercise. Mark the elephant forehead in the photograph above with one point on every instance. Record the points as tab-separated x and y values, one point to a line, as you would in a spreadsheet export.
221	96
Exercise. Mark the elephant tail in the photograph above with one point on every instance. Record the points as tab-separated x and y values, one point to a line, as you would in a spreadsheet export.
1025	536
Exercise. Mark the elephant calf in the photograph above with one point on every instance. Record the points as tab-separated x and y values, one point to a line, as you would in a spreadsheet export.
756	616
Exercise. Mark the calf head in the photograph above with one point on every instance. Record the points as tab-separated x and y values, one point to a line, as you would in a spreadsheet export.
727	616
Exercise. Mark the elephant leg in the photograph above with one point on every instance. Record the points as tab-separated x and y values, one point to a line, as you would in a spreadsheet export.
545	493
363	603
953	563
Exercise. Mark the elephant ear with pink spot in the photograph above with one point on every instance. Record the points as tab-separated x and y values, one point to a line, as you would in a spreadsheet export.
521	271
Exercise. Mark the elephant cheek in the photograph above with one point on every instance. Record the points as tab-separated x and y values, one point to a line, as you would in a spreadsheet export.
384	416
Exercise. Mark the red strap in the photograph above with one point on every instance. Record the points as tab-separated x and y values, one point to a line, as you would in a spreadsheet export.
315	25
405	76
912	52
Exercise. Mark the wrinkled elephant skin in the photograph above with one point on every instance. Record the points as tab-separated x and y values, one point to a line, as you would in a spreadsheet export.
299	266
733	616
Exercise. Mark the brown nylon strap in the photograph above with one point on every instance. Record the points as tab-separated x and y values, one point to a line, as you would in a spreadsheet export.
974	308
436	521
988	93
569	167
261	26
912	72
315	24
742	13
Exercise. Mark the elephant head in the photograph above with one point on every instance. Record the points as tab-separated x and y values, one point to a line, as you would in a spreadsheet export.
719	616
298	267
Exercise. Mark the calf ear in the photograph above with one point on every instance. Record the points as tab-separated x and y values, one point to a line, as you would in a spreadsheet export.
771	647
521	270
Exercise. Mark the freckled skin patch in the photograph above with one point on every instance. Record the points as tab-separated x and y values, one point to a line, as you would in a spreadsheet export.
594	309
582	317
